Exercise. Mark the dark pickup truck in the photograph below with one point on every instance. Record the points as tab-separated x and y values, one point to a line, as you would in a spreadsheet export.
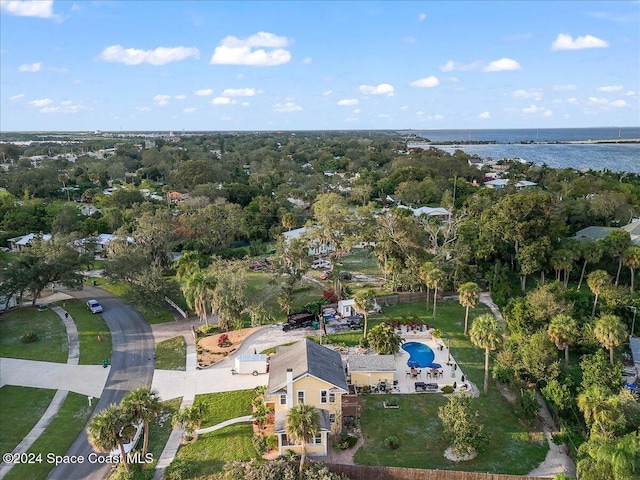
299	320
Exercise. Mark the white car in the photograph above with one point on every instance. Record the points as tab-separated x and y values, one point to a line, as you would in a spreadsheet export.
321	264
131	444
94	306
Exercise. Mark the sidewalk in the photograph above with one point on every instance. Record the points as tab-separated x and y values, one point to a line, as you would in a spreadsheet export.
50	375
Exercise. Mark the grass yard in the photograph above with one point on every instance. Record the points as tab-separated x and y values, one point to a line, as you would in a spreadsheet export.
90	326
212	450
360	260
20	410
171	354
51	345
57	438
512	448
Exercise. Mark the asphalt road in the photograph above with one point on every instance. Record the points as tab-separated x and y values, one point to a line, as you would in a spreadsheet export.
132	363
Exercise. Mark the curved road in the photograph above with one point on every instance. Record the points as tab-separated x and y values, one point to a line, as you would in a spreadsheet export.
132	364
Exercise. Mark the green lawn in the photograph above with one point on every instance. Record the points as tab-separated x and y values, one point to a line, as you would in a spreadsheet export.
360	260
512	448
90	327
171	354
20	410
51	345
57	438
212	450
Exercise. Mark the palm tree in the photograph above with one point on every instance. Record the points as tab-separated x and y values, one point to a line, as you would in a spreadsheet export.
197	289
384	339
142	404
616	242
302	426
563	330
425	276
364	302
468	295
591	253
631	258
104	431
486	333
610	332
437	277
614	459
597	280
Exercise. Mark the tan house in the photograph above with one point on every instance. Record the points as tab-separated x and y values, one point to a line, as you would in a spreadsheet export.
177	196
308	373
371	370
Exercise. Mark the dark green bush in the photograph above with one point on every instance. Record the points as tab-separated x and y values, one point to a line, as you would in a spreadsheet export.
259	442
391	442
29	337
180	470
447	389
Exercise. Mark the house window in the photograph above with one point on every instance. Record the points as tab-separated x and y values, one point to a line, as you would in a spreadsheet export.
323	396
300	397
332	418
332	397
286	442
317	439
283	399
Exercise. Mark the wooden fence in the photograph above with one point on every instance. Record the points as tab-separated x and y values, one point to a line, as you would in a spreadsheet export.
405	297
359	472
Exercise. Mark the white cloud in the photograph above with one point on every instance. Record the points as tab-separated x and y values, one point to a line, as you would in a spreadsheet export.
327	92
450	66
41	103
347	102
437	117
236	51
136	56
421	17
485	115
426	82
502	65
404	108
567	42
286	107
598	101
180	97
618	103
564	88
203	92
307	60
239	92
161	99
222	101
16	97
67	108
534	109
610	88
573	100
189	110
59	69
382	89
534	93
356	111
30	67
143	109
24	8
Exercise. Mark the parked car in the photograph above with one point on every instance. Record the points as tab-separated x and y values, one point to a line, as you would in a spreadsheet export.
94	306
256	266
326	274
320	264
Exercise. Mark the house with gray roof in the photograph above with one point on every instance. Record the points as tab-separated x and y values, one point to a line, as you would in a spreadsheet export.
311	374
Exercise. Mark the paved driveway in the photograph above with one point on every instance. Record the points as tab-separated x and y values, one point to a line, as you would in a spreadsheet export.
132	363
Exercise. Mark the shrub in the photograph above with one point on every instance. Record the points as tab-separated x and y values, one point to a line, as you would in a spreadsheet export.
272	442
527	405
180	469
223	340
391	442
29	337
447	389
259	442
205	330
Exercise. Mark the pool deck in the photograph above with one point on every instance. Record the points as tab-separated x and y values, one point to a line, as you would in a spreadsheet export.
406	380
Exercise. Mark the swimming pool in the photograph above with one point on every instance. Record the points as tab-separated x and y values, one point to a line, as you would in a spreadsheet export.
420	355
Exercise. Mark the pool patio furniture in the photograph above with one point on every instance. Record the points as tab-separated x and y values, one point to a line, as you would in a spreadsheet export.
425	387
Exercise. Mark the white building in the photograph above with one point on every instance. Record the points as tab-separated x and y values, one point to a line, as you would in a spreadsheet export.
315	247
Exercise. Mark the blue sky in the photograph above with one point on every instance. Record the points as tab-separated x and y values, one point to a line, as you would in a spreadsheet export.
205	65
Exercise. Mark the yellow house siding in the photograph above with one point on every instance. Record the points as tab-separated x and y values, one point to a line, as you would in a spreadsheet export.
312	387
361	379
312	449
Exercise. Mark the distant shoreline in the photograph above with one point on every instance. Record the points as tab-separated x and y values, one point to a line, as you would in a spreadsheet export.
467	143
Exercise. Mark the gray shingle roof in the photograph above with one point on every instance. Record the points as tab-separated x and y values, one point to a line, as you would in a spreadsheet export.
594	233
634	343
371	363
306	357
